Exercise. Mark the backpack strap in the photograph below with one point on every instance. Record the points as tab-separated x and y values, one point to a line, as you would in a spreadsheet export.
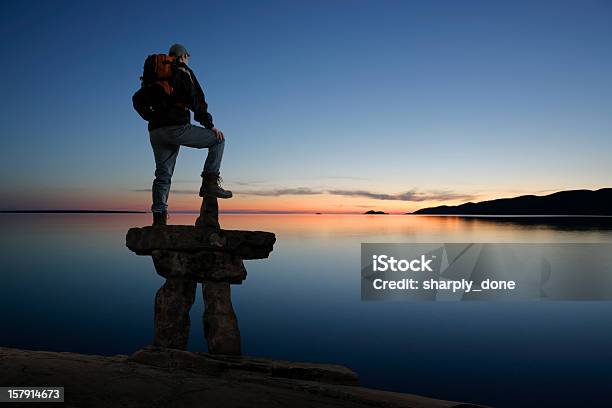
187	72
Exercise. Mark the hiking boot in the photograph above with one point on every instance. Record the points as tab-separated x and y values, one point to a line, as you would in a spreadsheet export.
160	218
211	186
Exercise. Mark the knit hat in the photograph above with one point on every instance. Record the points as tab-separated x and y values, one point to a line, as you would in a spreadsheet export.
178	50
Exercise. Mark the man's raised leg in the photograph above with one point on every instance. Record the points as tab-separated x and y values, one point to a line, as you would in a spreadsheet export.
199	137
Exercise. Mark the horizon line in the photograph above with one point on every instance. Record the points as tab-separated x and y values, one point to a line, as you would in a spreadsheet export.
89	211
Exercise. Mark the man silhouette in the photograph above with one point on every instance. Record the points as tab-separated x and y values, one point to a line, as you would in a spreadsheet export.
172	128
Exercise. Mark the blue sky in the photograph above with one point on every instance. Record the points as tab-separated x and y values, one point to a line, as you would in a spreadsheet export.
333	106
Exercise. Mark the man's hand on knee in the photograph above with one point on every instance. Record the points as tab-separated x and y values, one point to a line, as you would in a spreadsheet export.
218	133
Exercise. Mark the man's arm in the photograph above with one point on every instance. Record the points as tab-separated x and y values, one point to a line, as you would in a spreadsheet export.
195	98
200	112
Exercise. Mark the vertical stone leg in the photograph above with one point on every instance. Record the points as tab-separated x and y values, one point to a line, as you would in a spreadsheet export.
220	323
172	304
209	213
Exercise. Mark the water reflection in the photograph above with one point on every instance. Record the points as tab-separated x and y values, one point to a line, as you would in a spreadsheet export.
68	282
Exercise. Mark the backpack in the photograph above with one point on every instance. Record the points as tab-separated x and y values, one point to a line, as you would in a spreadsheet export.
156	92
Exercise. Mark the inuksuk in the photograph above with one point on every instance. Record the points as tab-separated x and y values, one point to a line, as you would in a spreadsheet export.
186	255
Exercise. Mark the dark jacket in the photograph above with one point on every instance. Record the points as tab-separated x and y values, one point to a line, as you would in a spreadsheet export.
188	95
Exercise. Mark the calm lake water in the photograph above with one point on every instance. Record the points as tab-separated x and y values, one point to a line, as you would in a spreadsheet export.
68	283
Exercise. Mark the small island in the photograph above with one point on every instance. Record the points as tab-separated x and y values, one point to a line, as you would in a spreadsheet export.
370	212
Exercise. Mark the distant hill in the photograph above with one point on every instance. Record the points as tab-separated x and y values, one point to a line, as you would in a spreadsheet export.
374	212
573	202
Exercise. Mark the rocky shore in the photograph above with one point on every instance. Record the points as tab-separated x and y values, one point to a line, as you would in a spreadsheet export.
158	377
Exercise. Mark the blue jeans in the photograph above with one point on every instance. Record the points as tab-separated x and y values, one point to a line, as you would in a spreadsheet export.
166	142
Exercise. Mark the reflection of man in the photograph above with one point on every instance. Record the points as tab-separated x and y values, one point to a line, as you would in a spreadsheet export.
172	128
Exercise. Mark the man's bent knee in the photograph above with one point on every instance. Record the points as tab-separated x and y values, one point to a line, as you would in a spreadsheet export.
162	180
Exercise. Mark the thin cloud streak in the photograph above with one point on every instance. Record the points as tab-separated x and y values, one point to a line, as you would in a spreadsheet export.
412	195
282	191
172	191
409	196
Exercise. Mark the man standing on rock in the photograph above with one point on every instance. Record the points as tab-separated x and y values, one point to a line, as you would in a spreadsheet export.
170	127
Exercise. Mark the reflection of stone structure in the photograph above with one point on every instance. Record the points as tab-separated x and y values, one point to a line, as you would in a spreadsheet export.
186	255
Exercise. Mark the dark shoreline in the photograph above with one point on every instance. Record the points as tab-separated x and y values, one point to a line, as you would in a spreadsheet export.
570	202
70	212
510	215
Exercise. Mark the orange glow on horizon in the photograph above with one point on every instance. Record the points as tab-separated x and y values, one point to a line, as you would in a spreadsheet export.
178	202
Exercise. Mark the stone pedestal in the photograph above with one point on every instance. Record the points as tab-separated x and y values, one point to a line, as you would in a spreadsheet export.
187	255
209	213
220	322
172	304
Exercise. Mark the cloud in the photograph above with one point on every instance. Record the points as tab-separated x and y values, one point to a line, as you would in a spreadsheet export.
409	196
282	191
172	191
412	195
346	178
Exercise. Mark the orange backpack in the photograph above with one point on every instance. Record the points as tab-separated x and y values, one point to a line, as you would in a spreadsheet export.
156	91
158	70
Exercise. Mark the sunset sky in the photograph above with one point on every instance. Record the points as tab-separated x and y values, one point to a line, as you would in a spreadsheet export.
331	106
